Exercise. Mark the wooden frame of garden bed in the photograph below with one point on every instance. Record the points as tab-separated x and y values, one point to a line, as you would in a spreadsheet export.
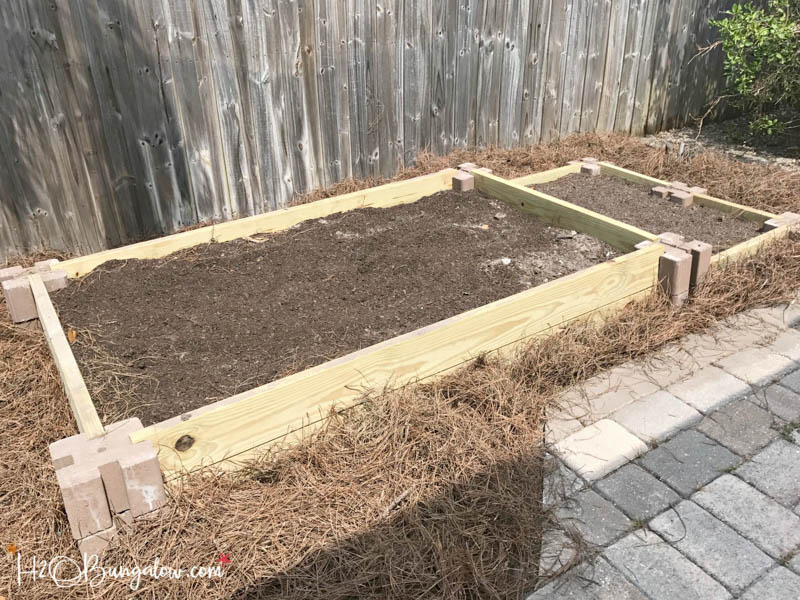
740	250
232	430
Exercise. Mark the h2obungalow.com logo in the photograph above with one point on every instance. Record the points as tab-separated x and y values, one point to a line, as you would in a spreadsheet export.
66	572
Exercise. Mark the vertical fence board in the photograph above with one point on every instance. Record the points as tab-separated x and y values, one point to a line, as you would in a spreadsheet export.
601	52
122	119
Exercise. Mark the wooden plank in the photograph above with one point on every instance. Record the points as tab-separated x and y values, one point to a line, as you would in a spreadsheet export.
535	72
752	246
645	70
490	72
260	416
562	214
632	176
294	60
194	108
388	87
391	194
45	66
513	73
556	64
680	38
416	78
575	67
91	152
327	45
634	41
743	212
667	25
601	53
443	61
358	25
547	176
470	14
614	65
246	40
74	386
32	205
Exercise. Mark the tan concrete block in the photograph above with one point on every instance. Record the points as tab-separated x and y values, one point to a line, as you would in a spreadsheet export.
674	271
80	449
84	500
787	218
590	169
54	280
701	261
679	299
96	544
143	480
660	191
671	239
590	160
467	166
681	197
43	266
123	520
679	185
114	485
19	300
463	182
698	190
11	273
62	452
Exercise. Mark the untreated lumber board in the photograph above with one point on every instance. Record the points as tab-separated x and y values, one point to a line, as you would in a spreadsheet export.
562	214
79	400
234	427
547	176
742	212
632	176
751	246
391	194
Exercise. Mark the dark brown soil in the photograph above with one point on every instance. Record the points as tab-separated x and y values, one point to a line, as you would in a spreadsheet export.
206	323
633	204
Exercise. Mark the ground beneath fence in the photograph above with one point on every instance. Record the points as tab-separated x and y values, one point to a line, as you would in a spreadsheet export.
633	204
161	338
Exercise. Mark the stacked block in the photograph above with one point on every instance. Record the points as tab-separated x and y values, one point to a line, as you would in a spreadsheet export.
17	290
106	483
786	219
682	267
678	192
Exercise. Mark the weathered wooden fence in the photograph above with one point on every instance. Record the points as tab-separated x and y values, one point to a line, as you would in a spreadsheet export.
126	118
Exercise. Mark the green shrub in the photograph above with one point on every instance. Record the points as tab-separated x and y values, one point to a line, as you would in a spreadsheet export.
762	47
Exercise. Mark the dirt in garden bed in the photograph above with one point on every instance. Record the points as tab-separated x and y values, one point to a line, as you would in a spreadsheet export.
632	203
206	323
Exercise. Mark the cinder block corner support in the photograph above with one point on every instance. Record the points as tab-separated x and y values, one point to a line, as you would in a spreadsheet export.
463	182
106	483
674	274
789	219
19	297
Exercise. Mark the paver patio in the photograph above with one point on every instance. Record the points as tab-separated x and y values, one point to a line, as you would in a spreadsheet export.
711	507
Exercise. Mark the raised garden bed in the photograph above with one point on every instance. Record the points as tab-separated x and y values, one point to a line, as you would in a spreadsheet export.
633	203
215	320
411	267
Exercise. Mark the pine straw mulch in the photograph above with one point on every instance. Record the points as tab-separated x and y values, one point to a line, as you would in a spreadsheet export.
429	491
765	187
